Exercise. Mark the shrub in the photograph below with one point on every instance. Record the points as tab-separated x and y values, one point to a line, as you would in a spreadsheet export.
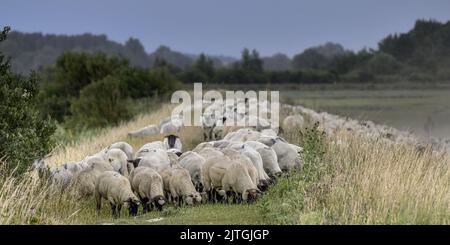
24	136
100	104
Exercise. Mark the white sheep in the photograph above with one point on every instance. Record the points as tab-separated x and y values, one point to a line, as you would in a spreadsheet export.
124	146
287	154
238	180
193	162
149	130
118	160
148	186
178	186
116	189
255	157
85	180
157	159
268	156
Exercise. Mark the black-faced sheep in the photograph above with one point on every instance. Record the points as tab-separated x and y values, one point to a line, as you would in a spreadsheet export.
148	185
180	186
237	180
116	189
172	142
193	162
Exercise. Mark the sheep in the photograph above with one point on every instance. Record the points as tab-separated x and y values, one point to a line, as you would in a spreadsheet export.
150	146
287	154
118	160
269	132
42	169
116	189
174	151
238	180
172	142
255	157
202	145
172	126
268	156
148	186
293	122
243	159
124	146
157	159
181	187
210	152
149	130
213	171
193	162
85	180
145	150
60	176
243	135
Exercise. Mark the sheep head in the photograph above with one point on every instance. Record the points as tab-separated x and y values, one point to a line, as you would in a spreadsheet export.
132	204
159	202
251	195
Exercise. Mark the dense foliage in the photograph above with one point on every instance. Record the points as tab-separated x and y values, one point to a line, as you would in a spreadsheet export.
24	136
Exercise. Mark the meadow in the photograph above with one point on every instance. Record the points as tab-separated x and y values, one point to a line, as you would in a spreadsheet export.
360	181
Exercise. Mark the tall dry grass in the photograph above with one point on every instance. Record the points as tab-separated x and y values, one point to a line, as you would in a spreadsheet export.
27	200
361	180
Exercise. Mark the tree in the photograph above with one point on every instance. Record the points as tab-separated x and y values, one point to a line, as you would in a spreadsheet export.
100	104
24	137
71	73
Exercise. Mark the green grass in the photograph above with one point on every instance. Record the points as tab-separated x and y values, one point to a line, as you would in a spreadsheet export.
206	214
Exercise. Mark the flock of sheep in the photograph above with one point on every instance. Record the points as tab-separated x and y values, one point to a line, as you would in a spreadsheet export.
233	164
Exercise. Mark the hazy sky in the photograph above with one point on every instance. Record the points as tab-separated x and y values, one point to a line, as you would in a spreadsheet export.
226	26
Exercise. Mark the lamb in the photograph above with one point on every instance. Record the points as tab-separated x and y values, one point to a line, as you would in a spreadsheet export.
193	162
148	186
172	142
236	179
268	156
118	160
149	130
181	187
174	151
150	146
85	180
116	189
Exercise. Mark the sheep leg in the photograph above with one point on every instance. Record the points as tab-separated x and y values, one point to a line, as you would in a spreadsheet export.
98	202
113	210
119	207
145	205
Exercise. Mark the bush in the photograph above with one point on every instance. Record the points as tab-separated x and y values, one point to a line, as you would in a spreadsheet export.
100	104
24	137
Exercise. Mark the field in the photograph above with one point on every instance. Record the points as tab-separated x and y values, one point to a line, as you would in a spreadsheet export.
424	111
346	179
